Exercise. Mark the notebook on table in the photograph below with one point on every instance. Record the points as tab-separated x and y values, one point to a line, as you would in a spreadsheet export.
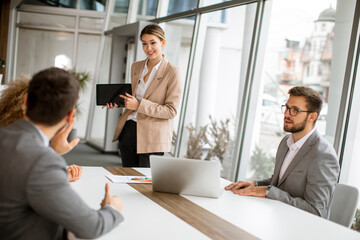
109	93
185	176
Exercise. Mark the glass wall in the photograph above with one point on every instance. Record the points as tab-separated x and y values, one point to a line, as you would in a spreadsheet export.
219	71
46	38
39	49
98	118
86	63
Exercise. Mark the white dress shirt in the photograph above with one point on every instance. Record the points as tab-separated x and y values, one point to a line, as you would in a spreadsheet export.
143	86
293	150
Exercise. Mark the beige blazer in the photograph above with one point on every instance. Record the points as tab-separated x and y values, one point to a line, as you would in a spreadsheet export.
157	109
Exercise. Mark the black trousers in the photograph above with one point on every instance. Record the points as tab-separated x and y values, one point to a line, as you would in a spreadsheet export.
128	146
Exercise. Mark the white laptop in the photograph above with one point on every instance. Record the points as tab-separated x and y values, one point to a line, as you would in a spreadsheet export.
185	176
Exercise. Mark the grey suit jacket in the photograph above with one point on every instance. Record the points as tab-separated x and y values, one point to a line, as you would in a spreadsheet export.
309	180
36	199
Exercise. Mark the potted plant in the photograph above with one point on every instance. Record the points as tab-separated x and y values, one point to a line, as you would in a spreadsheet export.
196	142
219	139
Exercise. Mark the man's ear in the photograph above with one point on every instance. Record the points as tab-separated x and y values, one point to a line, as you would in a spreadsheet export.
70	115
313	116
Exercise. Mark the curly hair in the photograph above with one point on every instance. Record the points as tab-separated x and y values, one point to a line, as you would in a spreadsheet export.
12	105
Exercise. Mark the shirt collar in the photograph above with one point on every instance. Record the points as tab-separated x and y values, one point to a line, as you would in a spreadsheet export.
44	138
156	67
300	142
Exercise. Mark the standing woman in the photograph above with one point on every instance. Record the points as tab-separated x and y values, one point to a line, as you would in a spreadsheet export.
146	126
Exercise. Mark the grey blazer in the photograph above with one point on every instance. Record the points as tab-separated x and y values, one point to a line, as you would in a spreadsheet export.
36	199
309	180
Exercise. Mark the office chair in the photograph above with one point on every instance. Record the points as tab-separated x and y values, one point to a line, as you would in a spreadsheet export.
343	205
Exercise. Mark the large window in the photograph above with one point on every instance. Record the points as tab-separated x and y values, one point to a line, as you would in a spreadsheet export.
117	14
147	9
219	70
98	118
97	5
351	162
211	2
178	35
349	146
53	3
85	63
292	48
176	6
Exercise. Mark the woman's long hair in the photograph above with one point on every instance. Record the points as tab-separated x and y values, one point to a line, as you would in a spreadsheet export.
12	105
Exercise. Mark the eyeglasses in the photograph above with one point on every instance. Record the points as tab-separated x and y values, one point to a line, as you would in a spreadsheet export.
292	110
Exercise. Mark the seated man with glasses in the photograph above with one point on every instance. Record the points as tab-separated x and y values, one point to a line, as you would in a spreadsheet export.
306	167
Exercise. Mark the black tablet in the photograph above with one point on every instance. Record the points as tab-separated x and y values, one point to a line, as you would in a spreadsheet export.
109	93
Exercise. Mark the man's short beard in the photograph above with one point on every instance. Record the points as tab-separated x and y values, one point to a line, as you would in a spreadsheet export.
296	128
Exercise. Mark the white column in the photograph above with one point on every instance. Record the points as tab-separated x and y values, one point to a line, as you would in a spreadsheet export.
208	76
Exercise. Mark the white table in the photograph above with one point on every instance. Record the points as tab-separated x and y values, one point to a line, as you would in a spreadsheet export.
263	218
144	219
